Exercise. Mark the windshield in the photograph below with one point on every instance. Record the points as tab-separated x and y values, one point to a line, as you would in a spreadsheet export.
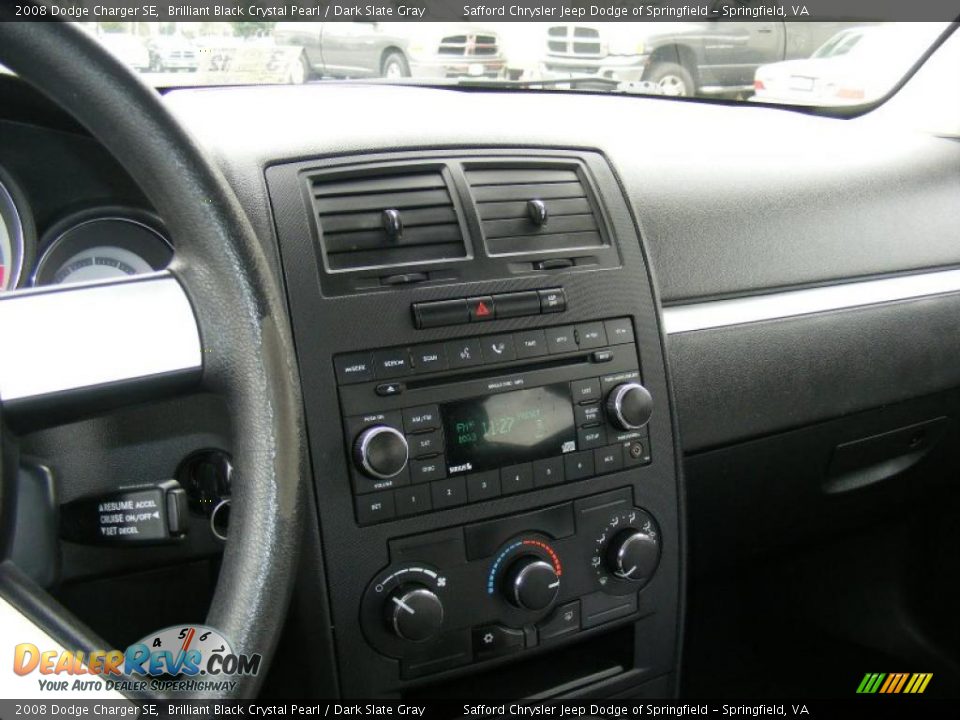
808	63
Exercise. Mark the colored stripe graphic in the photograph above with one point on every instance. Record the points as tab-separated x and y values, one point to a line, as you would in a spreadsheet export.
894	683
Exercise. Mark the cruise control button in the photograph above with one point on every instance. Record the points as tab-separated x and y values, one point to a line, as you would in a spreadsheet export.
579	465
587	414
498	348
548	472
375	508
517	304
391	363
608	459
591	437
532	343
483	486
426	443
481	308
552	301
443	312
412	500
581	390
495	640
427	470
561	340
447	493
516	478
353	368
425	417
429	358
464	353
619	331
591	335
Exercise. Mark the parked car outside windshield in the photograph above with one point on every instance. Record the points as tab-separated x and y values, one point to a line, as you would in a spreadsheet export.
809	63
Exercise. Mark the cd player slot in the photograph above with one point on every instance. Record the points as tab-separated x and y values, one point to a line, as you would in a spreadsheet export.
560	362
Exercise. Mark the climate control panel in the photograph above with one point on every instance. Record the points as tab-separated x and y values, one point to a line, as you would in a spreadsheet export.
479	592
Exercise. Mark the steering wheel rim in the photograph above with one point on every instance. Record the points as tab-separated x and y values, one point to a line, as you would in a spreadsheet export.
244	332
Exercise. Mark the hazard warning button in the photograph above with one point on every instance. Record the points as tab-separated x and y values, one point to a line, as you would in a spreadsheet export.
481	308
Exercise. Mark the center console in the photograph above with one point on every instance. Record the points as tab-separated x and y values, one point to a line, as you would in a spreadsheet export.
489	422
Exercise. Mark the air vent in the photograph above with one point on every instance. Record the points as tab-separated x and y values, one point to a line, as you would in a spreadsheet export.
534	209
386	220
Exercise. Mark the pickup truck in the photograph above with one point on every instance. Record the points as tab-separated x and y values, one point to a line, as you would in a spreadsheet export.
682	58
391	50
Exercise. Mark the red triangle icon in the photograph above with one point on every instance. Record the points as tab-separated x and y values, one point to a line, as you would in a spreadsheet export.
482	309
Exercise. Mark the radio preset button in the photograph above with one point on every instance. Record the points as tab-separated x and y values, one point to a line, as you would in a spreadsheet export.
578	466
561	340
516	478
483	486
619	331
353	368
532	343
426	443
585	390
427	470
608	459
450	492
591	437
412	500
464	353
591	335
429	358
391	363
424	417
498	348
375	508
587	414
548	472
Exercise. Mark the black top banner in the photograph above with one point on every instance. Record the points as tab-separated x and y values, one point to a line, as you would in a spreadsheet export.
484	10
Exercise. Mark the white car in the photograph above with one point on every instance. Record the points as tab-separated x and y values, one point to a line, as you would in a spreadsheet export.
857	65
126	47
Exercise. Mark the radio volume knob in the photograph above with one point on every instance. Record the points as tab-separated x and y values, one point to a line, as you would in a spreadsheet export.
380	452
629	406
414	613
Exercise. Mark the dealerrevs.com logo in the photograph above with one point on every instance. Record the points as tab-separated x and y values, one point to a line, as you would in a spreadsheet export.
190	658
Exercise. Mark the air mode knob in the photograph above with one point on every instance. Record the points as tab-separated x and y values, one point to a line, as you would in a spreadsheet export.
531	583
633	555
414	613
629	406
380	452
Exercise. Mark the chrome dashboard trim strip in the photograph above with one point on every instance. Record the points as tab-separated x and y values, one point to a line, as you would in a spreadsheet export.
72	337
795	303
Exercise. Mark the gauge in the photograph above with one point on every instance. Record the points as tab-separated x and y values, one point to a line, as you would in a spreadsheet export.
102	246
16	229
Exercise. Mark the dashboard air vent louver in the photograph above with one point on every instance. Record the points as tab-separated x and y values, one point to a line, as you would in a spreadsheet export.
534	209
387	219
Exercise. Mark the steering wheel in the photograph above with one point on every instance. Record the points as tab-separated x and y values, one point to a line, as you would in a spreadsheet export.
216	320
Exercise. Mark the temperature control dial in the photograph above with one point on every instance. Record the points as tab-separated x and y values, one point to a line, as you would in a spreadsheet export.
380	452
531	583
414	613
629	406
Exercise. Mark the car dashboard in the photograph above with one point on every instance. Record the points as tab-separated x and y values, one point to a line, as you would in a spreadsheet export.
568	361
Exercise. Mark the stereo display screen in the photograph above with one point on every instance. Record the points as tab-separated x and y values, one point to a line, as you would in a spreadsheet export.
514	427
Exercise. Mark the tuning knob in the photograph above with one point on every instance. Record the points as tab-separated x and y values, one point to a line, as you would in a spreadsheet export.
414	613
629	406
380	452
531	583
633	555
